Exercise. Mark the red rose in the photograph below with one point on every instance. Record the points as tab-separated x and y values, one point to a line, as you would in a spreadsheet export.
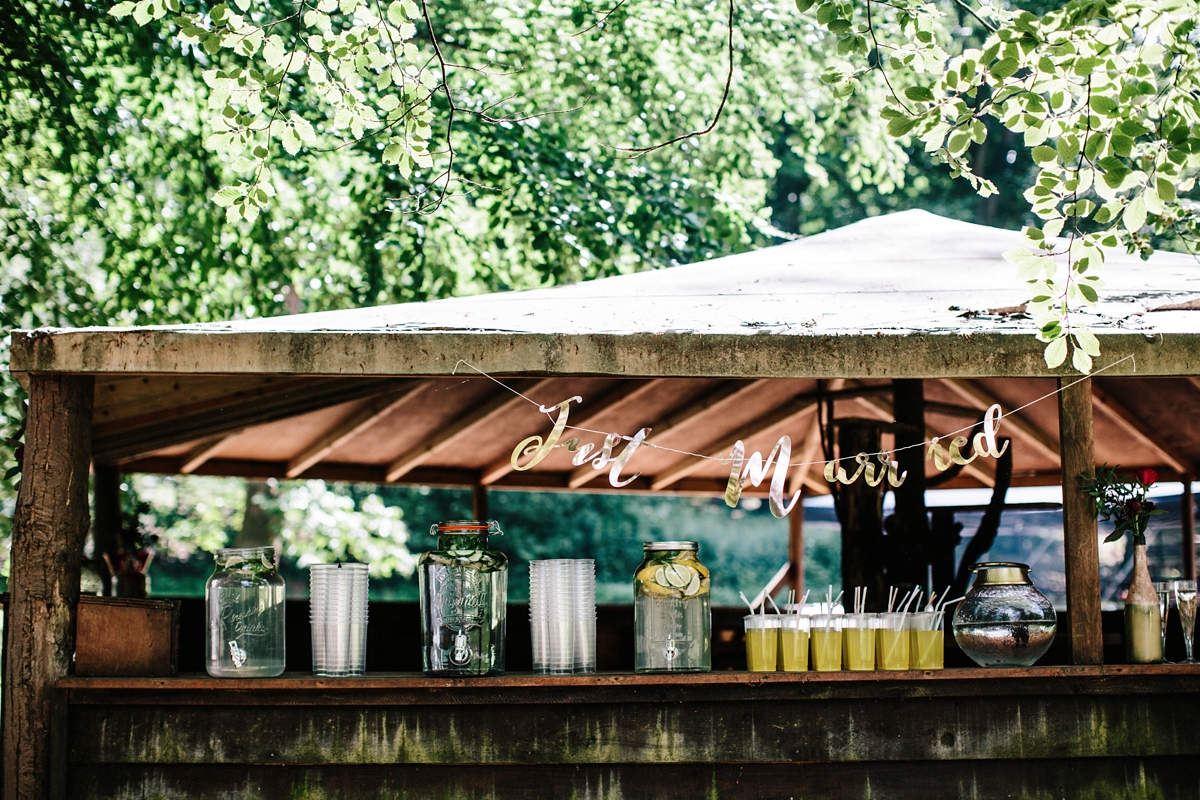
1146	476
1133	506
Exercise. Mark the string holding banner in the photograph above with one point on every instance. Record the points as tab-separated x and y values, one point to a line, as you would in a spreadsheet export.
754	468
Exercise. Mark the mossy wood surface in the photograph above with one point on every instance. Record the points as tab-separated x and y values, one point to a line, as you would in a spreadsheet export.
1086	733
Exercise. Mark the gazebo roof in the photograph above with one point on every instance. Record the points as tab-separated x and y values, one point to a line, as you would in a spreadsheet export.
367	394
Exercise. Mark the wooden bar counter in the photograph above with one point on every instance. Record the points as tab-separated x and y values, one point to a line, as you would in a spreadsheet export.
1051	732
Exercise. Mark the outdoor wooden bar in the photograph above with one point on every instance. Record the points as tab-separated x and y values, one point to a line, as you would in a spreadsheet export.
293	400
1063	732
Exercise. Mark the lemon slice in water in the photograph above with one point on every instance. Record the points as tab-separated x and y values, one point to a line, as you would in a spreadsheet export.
693	586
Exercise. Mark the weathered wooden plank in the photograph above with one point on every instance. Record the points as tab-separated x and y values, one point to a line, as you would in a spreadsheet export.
409	354
1077	444
915	729
49	528
1073	779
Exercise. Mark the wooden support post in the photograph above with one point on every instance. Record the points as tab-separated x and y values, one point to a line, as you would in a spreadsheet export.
49	529
796	548
106	528
1085	639
479	501
1187	507
860	512
908	543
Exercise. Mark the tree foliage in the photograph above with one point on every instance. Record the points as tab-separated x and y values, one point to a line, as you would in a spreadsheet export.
1106	96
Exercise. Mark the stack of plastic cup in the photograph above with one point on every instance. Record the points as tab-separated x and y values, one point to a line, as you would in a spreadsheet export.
338	613
562	615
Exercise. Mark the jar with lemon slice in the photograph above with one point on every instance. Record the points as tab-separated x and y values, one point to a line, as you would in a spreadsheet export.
672	619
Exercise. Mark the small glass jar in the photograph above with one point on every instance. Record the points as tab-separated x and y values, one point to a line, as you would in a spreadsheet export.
464	595
671	616
244	607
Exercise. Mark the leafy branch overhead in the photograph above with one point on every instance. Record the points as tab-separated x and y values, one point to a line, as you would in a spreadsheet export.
1106	96
352	64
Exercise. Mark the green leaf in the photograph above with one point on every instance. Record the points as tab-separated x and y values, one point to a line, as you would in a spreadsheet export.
1043	154
122	10
304	130
273	52
1053	228
1004	68
901	125
290	140
1056	353
1086	341
1165	190
395	13
1102	104
1089	294
242	4
919	94
804	5
227	196
1080	360
1135	214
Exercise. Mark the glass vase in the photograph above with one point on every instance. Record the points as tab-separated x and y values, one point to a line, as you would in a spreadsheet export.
1143	618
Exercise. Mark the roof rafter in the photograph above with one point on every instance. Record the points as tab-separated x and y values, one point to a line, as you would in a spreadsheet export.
197	457
1127	421
495	405
352	426
725	393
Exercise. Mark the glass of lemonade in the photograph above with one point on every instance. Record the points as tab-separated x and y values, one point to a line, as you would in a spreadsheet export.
762	642
892	644
858	639
793	642
927	641
826	638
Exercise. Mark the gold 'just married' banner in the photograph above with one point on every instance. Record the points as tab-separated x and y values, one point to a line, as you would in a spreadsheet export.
874	468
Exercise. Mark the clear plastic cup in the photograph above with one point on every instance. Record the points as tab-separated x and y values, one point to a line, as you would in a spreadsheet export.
858	641
762	641
892	646
562	615
338	596
826	639
927	641
793	642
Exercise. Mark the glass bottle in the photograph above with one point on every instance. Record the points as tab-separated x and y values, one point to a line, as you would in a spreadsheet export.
671	617
464	592
244	608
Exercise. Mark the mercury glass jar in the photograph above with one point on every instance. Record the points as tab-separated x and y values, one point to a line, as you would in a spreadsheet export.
464	592
1004	621
244	607
671	616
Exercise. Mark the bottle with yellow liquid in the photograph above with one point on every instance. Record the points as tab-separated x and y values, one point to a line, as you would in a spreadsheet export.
793	643
892	644
927	642
762	642
826	639
858	642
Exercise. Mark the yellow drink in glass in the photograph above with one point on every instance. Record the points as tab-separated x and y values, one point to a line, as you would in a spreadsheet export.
892	646
927	641
826	641
793	643
858	634
762	642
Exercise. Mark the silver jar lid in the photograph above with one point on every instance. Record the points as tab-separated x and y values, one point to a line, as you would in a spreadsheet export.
657	547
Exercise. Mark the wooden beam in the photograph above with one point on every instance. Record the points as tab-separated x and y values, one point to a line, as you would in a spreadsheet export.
118	442
499	403
803	475
615	398
795	577
1025	430
49	529
1076	437
883	409
786	413
726	393
778	579
354	425
106	527
203	452
1132	425
479	502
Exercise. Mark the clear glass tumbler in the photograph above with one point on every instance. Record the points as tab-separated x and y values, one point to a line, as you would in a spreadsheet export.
244	606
